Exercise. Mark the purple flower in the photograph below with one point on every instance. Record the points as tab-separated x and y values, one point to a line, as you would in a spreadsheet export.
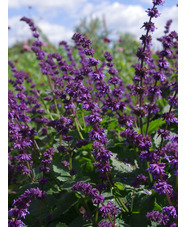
96	75
87	189
159	76
164	133
158	2
170	211
109	208
112	71
125	120
65	163
152	108
153	12
15	223
162	187
98	199
89	52
81	143
67	138
150	156
93	62
163	64
167	26
170	118
97	134
173	101
21	204
72	172
93	118
61	148
104	224
108	56
146	39
140	179
149	26
157	169
158	217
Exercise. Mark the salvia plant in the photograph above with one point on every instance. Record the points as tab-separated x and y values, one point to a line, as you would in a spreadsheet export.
91	150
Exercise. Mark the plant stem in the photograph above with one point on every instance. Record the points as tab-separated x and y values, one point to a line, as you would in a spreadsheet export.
113	225
60	139
96	215
84	125
150	175
77	127
31	172
132	201
122	203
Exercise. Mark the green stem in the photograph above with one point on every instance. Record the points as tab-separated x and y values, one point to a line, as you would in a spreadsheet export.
112	185
122	203
55	102
96	215
49	82
132	201
119	204
60	140
150	175
46	108
37	147
84	125
76	123
70	158
113	225
31	172
79	125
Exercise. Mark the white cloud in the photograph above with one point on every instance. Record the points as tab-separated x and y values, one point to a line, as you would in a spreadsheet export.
126	18
20	31
130	18
55	32
166	14
146	1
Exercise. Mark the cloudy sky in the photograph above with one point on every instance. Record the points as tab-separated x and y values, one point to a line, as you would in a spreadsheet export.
57	18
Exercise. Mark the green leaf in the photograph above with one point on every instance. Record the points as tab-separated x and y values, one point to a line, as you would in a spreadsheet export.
143	202
60	224
120	223
120	166
65	200
63	175
154	125
157	140
119	185
157	207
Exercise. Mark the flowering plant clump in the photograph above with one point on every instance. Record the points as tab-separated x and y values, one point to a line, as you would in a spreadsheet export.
86	146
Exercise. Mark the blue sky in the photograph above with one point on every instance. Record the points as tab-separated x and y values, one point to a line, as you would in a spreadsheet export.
57	18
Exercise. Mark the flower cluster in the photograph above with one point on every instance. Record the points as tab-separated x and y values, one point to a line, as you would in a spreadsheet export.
21	206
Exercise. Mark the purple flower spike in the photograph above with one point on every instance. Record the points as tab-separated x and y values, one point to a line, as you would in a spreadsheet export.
162	187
